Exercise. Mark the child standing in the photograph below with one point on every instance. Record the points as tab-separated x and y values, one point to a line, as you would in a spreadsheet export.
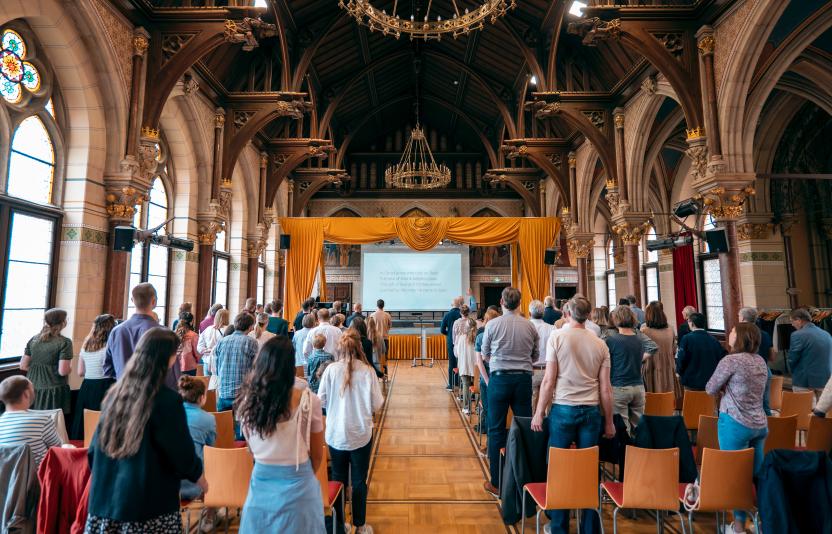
317	362
467	359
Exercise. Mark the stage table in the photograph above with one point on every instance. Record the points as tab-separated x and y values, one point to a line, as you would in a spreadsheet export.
406	346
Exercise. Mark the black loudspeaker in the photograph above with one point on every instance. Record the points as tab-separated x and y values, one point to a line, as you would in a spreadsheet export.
549	256
717	240
285	241
123	238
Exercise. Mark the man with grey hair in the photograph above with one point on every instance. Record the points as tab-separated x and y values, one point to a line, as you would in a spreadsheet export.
766	351
510	344
356	312
550	314
544	330
810	354
447	330
684	328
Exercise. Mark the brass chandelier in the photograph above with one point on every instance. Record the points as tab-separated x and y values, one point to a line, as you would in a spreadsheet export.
459	23
417	169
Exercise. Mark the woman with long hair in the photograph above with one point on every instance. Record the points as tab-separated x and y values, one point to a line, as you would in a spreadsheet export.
283	424
467	359
360	326
260	334
659	372
601	317
484	371
47	361
142	448
379	355
208	339
350	393
91	369
188	352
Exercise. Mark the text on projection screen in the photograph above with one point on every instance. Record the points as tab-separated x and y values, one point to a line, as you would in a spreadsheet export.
411	280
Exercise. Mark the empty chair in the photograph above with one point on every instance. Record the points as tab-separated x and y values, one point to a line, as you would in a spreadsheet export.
798	403
725	483
694	404
227	472
775	396
225	429
663	404
651	482
571	484
206	379
781	433
91	418
819	437
210	400
708	436
331	490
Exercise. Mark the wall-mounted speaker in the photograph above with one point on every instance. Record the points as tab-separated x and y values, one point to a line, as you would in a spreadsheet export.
285	241
123	238
549	256
717	240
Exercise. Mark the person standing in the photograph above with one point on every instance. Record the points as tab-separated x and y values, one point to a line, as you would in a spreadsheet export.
91	369
277	324
367	344
261	333
184	307
317	362
467	360
209	317
208	340
472	301
125	336
684	328
810	354
299	340
250	307
350	393
19	425
550	314
356	312
460	326
283	425
510	344
384	323
331	333
188	354
234	356
447	329
482	365
47	360
336	308
601	317
631	299
698	355
659	372
740	381
578	375
766	351
142	448
306	308
537	314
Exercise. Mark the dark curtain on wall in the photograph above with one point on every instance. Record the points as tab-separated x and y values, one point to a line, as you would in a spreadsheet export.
684	280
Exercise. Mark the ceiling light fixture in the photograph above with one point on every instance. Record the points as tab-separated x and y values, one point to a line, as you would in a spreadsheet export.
461	23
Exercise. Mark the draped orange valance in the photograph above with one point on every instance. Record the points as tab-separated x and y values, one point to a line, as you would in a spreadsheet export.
532	234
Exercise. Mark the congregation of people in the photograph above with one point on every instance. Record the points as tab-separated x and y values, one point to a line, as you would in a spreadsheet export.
303	391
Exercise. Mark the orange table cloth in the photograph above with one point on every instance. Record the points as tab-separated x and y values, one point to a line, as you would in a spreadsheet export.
407	347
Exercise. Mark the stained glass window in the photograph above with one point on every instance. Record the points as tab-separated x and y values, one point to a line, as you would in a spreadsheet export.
712	282
16	73
32	162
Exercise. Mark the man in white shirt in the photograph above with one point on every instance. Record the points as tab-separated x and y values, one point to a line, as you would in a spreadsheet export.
544	330
331	333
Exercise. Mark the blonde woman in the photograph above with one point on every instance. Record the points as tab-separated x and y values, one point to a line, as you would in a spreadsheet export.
208	340
467	359
260	334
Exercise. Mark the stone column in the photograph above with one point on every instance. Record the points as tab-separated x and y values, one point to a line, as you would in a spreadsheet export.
261	197
705	44
631	227
254	251
729	264
216	173
620	157
140	43
580	246
573	186
121	207
207	235
786	232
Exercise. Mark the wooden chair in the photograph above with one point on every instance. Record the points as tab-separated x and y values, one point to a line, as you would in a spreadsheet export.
651	483
781	433
694	404
707	437
798	403
775	393
819	437
210	400
205	379
725	483
228	472
509	418
663	404
331	491
200	370
91	418
225	429
571	484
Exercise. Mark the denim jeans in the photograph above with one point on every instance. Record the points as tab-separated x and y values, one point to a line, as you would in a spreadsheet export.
505	391
767	394
483	421
225	405
359	460
734	436
580	425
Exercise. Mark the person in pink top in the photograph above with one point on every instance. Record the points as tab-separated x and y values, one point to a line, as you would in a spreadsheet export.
209	318
187	353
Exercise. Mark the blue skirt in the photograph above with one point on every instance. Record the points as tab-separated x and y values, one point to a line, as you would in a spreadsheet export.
282	499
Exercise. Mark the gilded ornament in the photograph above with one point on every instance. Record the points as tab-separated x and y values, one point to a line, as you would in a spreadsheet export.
219	118
572	160
139	45
706	45
629	234
580	248
619	120
754	230
725	205
150	133
121	205
694	133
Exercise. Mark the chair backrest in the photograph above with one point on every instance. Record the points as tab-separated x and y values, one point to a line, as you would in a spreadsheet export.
91	418
798	403
200	370
572	479
663	404
781	433
210	400
775	396
707	437
205	379
228	472
694	404
819	437
323	476
651	479
726	480
225	429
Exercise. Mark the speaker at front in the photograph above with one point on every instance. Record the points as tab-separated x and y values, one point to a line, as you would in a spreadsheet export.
717	240
285	241
550	256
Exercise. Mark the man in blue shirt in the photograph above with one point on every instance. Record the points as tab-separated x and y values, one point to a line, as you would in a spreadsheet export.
550	314
636	310
810	354
234	356
447	330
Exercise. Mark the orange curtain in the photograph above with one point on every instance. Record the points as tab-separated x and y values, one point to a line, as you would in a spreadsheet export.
532	234
405	347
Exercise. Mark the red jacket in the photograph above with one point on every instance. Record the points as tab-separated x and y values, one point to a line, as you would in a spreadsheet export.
64	476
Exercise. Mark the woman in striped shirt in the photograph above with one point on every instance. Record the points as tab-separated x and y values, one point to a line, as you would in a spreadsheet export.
21	426
91	369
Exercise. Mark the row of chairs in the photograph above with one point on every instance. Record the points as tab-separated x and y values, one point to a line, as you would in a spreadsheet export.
651	483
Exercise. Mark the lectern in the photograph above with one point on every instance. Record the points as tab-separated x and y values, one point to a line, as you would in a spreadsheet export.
423	338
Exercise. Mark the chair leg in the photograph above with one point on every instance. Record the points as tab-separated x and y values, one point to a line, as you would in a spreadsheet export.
615	520
756	518
601	516
523	513
682	521
537	521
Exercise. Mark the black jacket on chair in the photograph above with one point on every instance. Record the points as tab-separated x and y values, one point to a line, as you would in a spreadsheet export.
526	456
657	432
794	492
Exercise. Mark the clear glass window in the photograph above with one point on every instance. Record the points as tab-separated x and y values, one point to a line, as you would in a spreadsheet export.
712	281
31	162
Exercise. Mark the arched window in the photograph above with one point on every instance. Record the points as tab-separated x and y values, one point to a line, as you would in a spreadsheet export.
150	262
611	273
28	218
222	262
650	269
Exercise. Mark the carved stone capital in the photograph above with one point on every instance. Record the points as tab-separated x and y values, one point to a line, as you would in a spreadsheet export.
122	202
189	85
264	160
572	160
148	158
619	120
207	230
631	233
566	221
751	230
140	43
698	154
649	85
724	203
219	118
706	44
580	248
255	246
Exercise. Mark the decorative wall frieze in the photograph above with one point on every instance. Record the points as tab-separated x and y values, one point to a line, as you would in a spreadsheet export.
121	37
184	256
673	42
749	230
77	233
762	256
